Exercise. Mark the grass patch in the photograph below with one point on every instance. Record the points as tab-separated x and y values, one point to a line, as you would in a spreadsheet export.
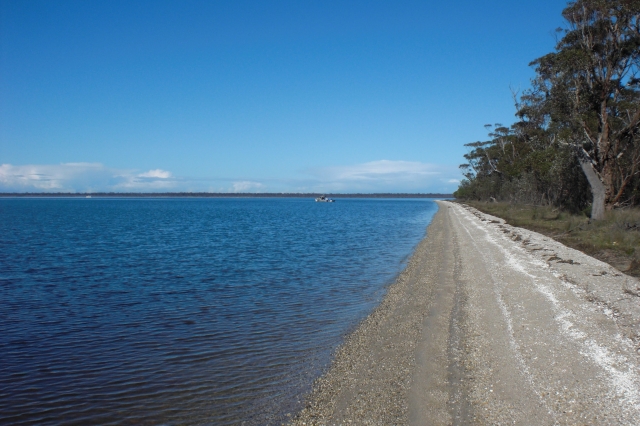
614	240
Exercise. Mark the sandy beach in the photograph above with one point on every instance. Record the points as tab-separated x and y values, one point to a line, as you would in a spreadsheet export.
490	324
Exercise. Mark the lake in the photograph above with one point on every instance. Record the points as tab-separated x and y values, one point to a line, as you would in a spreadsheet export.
186	311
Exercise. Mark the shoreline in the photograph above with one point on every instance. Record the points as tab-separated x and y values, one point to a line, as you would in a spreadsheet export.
373	368
487	324
215	195
612	240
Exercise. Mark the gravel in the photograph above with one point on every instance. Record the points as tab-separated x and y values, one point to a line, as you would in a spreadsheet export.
490	324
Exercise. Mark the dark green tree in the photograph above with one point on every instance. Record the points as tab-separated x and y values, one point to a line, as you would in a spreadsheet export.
579	124
590	91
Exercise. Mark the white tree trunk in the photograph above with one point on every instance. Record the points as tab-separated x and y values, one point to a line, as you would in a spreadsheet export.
597	189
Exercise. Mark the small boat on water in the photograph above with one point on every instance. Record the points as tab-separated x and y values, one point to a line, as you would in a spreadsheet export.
323	199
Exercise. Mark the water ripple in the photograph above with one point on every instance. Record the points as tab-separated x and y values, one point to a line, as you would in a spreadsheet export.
185	311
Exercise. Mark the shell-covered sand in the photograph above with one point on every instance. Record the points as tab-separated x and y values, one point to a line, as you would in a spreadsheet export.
490	324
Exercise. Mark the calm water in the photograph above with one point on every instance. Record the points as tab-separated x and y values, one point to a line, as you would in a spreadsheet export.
185	311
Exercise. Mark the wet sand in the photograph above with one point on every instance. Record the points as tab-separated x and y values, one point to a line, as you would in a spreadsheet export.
490	324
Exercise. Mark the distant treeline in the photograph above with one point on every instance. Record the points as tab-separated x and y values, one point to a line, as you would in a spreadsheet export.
215	195
576	144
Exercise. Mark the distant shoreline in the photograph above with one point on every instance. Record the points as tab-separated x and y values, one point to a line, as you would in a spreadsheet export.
211	195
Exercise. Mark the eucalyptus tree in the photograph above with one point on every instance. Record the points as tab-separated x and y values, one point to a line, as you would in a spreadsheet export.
589	92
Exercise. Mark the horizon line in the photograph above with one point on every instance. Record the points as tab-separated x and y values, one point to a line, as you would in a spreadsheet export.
229	194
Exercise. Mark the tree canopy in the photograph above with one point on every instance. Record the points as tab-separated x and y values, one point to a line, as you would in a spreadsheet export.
576	141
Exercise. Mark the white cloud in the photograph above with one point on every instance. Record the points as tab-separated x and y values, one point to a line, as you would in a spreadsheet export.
80	177
156	173
374	176
57	177
383	169
387	176
246	186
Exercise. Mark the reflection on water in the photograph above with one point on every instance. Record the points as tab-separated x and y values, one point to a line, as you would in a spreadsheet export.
205	311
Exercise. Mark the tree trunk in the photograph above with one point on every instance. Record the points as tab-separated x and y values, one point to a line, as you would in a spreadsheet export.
597	189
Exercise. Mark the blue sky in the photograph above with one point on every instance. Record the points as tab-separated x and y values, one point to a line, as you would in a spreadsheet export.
258	96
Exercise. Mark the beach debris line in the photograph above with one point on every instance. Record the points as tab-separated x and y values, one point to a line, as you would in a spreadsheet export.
489	324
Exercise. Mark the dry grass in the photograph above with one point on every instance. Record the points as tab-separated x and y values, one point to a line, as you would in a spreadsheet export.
615	240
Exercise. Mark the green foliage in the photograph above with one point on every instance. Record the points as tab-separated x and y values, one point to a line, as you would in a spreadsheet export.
615	240
583	106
